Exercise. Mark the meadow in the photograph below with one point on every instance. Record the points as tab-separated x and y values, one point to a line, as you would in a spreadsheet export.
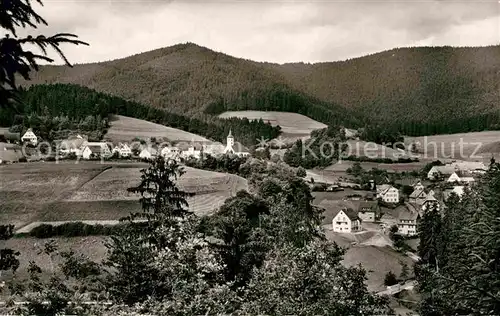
65	191
125	129
447	146
292	125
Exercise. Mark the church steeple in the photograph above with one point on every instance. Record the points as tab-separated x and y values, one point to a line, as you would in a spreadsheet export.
230	135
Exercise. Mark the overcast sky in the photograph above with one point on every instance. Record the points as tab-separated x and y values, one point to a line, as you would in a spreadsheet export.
274	31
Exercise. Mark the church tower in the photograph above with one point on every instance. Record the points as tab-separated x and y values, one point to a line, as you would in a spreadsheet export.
229	143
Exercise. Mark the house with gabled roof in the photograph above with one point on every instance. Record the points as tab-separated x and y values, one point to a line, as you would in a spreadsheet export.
430	202
346	220
30	137
388	193
440	171
418	196
368	211
408	221
95	150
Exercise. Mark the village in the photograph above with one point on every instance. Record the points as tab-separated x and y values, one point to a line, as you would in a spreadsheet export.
384	208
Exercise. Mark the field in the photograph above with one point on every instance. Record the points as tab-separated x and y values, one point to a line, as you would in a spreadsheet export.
125	129
41	192
292	125
361	148
449	146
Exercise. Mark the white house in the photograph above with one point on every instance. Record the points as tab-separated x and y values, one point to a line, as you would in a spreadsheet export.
346	221
148	153
388	193
235	148
407	222
30	137
191	152
455	177
95	150
171	153
437	171
123	150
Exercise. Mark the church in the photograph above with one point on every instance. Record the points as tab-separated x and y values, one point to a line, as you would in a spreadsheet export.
235	148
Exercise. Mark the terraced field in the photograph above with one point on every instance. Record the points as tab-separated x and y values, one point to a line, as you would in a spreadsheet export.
125	129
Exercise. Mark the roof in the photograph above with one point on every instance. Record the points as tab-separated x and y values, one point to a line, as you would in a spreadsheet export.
417	193
384	188
430	198
333	207
372	205
238	147
352	214
446	170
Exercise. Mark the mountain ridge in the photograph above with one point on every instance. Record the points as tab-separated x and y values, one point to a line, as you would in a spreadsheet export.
421	86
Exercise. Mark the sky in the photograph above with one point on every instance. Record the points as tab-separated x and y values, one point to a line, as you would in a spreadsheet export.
274	31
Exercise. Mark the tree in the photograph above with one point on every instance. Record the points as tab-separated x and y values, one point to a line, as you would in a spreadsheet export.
390	279
301	172
8	257
14	58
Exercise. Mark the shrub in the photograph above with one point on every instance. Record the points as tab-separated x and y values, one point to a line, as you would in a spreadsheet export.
390	279
74	229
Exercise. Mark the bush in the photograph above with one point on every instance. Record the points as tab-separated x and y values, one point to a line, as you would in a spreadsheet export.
74	229
390	279
23	159
301	172
319	187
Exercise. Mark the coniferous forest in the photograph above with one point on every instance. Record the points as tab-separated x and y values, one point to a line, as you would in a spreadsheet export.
409	91
74	102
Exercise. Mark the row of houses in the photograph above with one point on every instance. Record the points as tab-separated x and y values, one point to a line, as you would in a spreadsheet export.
79	146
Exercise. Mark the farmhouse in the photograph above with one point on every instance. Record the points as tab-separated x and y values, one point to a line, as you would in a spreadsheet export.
440	171
235	148
368	211
346	221
95	150
192	152
388	193
30	137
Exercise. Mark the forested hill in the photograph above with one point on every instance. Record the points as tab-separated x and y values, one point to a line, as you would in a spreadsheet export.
426	90
71	102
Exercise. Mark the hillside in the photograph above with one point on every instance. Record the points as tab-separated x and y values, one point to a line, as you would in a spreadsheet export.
291	124
429	89
125	129
43	192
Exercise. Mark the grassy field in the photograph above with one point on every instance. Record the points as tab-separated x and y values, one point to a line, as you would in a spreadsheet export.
125	129
93	191
361	148
448	146
292	125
